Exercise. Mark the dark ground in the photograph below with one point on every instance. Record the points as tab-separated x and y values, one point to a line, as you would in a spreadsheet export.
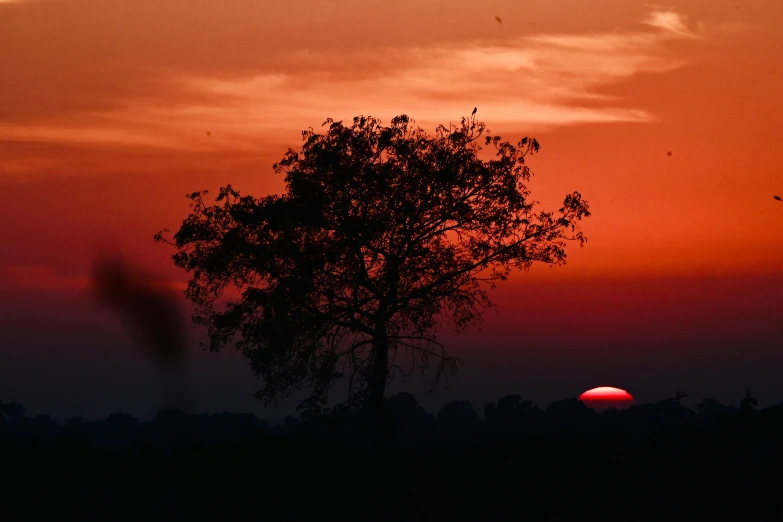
567	462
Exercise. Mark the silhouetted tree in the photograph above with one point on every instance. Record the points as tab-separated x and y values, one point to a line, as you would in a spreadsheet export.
73	426
457	420
411	420
569	412
120	426
707	406
510	414
291	422
14	412
383	233
312	407
748	403
513	403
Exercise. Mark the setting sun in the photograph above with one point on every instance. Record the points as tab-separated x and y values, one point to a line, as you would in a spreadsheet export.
605	397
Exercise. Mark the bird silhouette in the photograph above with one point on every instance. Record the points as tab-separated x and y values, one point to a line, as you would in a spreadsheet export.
778	198
499	20
474	110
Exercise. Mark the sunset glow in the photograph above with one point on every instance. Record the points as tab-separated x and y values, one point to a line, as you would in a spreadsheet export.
378	247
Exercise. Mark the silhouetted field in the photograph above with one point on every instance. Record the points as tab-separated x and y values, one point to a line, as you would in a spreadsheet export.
566	462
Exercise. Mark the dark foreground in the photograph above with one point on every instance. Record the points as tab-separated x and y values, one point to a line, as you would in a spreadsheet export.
648	463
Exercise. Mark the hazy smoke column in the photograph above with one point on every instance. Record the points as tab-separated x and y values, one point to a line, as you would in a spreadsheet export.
153	314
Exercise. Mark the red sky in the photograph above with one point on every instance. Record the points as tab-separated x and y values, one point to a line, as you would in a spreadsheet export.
105	108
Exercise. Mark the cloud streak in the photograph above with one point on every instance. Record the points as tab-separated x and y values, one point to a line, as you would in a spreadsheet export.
672	22
530	81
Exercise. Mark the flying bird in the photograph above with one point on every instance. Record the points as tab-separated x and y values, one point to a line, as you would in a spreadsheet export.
499	20
778	198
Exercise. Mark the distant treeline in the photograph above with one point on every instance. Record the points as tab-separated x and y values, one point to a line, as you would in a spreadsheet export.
520	462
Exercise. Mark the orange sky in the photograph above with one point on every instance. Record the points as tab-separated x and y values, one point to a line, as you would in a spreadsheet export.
126	90
105	108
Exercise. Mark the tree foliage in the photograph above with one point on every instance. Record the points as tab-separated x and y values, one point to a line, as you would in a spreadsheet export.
384	235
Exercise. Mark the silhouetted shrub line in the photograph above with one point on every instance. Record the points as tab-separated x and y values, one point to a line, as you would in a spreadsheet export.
649	462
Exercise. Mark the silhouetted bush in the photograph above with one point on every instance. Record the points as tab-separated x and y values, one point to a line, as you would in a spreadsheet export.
648	462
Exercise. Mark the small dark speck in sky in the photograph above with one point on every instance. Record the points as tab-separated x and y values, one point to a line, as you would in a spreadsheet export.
778	198
209	133
669	153
500	20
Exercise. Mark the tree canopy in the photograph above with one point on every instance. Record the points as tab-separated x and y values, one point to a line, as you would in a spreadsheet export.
384	236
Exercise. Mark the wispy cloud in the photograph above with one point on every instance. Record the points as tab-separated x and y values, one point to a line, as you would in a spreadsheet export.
533	81
672	22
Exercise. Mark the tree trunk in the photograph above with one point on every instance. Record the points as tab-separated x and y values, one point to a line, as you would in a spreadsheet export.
382	425
380	371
